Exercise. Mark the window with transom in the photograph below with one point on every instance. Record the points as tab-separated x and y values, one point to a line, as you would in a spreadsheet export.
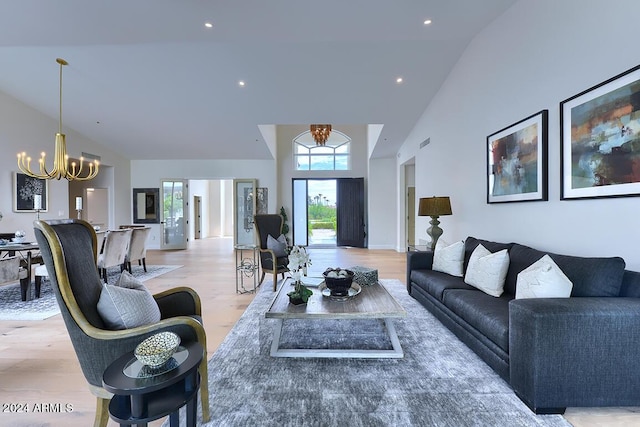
334	155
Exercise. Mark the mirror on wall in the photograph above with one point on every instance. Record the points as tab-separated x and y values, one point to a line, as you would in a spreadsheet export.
146	205
244	191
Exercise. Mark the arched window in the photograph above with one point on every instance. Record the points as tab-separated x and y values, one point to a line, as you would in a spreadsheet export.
334	155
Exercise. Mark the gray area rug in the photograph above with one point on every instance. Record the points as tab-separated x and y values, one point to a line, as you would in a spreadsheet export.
439	382
13	308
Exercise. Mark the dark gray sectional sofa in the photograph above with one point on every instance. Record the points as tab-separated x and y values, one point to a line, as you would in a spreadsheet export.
554	352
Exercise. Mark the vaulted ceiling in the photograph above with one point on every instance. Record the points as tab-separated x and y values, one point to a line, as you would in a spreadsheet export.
148	79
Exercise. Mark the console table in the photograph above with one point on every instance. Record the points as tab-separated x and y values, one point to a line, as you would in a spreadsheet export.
246	267
142	394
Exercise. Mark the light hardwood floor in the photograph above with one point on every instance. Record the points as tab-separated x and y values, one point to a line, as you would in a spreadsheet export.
38	366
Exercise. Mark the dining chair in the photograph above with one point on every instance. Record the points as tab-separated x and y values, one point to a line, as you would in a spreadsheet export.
11	271
114	251
39	273
270	225
100	236
137	248
69	250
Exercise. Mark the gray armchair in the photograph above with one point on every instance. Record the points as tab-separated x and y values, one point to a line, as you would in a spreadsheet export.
69	249
270	224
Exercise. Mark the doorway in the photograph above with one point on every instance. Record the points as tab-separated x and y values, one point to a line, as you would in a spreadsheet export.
197	217
328	212
411	216
321	208
96	210
314	212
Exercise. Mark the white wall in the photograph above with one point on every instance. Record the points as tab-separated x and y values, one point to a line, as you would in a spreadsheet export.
531	58
381	187
23	128
226	188
215	209
149	173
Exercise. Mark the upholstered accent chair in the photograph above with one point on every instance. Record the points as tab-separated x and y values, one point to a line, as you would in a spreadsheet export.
69	250
137	248
11	271
270	225
114	251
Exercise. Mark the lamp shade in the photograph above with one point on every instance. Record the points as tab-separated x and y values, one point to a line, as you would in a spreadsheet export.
434	206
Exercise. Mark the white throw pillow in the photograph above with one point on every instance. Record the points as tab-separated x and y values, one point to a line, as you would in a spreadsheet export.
278	246
448	258
543	279
487	271
127	304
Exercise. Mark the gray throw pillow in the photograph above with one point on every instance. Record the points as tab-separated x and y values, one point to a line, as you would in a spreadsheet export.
278	246
127	304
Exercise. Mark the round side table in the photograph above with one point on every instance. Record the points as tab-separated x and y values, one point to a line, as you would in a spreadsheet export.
142	394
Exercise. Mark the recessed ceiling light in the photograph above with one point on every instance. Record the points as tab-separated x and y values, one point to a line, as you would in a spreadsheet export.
399	80
427	21
208	24
241	83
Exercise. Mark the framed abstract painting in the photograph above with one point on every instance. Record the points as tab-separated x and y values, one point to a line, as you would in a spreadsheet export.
517	161
600	140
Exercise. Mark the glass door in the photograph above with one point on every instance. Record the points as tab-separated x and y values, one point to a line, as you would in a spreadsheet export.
314	212
175	215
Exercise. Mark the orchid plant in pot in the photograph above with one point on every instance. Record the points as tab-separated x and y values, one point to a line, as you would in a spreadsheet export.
298	262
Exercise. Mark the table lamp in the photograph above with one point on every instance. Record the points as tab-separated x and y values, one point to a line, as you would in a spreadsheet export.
434	207
79	206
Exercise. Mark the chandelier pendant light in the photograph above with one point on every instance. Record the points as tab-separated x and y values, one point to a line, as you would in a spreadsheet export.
320	133
60	157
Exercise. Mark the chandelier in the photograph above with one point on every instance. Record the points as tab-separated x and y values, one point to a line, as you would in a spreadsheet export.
60	159
320	133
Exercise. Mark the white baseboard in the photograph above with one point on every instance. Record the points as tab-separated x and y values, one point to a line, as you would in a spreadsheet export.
392	247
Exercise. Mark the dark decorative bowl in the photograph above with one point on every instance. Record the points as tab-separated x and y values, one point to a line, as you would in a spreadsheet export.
338	280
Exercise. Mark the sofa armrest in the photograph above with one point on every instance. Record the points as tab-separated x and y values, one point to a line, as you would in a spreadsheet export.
575	352
418	260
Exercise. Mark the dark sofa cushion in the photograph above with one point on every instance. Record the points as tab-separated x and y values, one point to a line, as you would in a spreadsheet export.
470	243
436	282
489	315
591	277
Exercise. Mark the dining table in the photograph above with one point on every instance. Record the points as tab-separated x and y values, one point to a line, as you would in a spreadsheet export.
28	252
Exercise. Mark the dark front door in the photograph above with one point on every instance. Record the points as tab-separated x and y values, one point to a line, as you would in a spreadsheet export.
350	212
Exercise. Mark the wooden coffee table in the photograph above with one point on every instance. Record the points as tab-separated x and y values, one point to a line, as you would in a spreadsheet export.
373	302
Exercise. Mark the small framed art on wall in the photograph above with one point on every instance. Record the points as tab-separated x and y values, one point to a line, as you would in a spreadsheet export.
517	161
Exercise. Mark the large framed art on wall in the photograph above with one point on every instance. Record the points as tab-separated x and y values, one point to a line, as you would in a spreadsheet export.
600	139
517	161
